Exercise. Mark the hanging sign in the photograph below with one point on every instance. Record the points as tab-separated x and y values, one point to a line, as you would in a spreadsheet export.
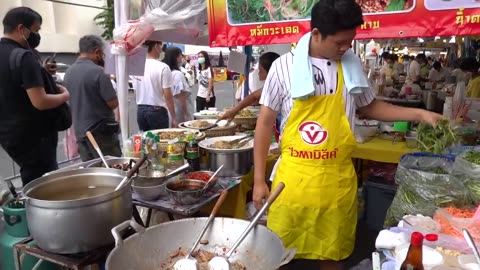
256	22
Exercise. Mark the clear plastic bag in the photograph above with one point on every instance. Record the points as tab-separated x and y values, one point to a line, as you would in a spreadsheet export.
452	225
425	183
469	173
130	36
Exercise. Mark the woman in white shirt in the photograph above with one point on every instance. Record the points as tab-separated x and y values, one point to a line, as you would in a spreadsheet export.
180	90
205	95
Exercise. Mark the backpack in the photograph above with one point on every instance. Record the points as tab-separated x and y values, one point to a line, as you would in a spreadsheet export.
59	118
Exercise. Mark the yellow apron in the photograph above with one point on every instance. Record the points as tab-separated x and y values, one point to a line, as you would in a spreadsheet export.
317	211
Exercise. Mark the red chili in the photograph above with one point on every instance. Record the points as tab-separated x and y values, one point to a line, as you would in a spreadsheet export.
198	176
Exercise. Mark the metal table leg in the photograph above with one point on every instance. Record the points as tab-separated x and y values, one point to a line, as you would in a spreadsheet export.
149	217
137	217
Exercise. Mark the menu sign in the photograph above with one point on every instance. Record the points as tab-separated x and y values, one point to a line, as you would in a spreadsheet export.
255	22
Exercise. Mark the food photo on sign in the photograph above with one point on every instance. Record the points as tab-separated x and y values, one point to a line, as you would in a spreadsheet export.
375	6
255	11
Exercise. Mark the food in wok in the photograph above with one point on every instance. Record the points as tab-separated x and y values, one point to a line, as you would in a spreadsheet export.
203	257
374	6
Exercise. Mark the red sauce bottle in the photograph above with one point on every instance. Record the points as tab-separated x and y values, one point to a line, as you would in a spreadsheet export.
414	255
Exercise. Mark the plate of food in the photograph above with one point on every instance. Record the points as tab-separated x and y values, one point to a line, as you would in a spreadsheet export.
224	144
180	133
205	123
206	114
247	113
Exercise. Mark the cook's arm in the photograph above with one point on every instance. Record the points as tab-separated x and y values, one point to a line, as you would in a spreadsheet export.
250	100
387	112
263	135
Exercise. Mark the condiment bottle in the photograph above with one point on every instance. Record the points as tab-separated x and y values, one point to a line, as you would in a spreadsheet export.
413	261
192	154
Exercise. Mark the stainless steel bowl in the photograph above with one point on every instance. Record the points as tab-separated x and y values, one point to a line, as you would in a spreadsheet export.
209	173
186	191
118	161
150	185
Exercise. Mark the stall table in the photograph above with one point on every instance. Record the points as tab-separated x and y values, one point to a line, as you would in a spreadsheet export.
412	103
166	205
379	150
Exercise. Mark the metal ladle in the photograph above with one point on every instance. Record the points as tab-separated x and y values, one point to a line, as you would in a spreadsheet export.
97	148
222	262
471	243
213	176
189	262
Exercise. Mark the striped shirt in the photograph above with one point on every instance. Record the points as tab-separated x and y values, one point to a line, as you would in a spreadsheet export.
276	91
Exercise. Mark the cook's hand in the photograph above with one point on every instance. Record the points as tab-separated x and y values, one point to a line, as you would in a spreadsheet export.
228	115
430	117
260	194
207	99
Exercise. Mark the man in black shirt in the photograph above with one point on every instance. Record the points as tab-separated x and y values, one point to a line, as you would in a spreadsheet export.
25	133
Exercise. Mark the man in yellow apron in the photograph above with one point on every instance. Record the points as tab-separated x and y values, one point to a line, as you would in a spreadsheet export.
317	211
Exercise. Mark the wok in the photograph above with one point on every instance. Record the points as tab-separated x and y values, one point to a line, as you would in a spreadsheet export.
150	249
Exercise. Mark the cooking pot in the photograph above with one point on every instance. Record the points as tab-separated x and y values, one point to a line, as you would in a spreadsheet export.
237	162
73	211
151	249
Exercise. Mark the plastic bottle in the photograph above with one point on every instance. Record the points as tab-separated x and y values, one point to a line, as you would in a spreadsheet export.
192	154
175	157
414	258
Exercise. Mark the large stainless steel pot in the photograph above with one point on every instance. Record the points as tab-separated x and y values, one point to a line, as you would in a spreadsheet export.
237	162
73	211
151	249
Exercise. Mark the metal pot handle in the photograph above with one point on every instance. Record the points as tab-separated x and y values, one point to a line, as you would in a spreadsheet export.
122	226
288	256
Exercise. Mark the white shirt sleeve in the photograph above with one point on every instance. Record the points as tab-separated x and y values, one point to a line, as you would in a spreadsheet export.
414	69
167	78
365	98
273	90
178	86
432	75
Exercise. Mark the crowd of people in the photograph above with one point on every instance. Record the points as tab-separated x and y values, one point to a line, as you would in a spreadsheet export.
421	69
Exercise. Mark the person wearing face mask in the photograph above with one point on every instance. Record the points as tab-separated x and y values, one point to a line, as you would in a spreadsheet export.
205	96
26	131
93	100
388	72
316	213
154	92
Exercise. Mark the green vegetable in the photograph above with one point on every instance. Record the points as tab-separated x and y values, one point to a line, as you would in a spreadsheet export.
436	139
472	157
395	5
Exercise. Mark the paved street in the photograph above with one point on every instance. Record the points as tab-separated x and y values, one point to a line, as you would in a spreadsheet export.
225	98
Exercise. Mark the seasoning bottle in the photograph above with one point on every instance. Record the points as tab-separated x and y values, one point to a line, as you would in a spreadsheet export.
192	154
414	255
175	157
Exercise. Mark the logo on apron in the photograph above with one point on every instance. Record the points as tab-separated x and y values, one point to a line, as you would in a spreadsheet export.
312	133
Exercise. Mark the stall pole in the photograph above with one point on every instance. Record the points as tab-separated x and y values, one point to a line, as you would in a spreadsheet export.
246	89
121	9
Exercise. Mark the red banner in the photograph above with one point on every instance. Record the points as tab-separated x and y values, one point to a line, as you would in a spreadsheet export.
256	22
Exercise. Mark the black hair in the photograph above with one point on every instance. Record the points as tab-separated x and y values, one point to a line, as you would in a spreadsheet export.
333	16
164	48
151	44
470	64
437	65
266	60
20	15
207	60
171	57
385	55
421	56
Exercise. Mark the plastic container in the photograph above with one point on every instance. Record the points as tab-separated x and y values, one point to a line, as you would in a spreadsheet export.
468	262
379	197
